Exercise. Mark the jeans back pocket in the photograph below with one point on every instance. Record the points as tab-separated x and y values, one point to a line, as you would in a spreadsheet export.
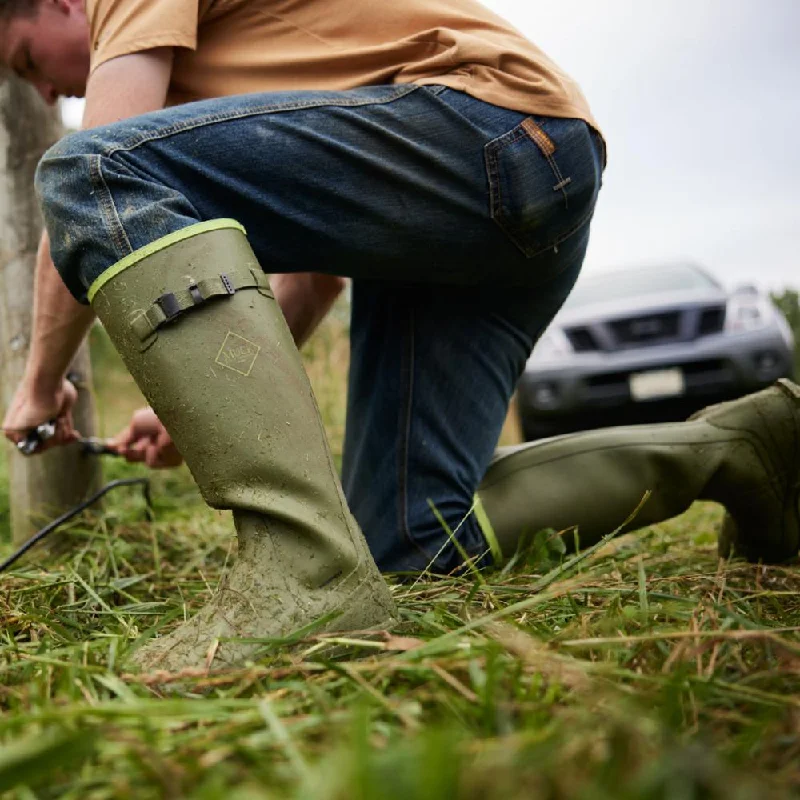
544	176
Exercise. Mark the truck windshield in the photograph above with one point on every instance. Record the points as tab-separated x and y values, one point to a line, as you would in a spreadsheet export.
600	288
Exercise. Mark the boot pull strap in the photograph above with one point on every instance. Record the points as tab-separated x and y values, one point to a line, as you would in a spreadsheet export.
171	305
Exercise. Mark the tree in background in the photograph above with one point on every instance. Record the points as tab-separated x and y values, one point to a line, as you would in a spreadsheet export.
44	486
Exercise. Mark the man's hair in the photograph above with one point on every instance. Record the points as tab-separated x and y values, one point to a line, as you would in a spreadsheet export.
17	8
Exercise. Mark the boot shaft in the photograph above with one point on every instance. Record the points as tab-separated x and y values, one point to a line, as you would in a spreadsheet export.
744	454
200	331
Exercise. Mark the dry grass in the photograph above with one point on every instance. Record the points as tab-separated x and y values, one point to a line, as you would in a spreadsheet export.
641	669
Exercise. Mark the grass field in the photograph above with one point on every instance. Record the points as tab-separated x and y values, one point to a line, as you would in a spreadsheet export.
641	669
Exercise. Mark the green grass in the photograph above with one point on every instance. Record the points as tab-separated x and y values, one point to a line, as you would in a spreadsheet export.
643	669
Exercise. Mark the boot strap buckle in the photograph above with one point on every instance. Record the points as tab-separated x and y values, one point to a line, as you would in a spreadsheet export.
196	294
171	305
226	283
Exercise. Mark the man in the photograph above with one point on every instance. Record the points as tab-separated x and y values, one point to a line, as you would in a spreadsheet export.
430	153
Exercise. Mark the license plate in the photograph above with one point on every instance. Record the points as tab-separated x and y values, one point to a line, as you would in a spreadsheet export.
658	383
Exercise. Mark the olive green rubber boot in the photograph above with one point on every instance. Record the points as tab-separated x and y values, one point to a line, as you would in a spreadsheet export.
197	325
744	454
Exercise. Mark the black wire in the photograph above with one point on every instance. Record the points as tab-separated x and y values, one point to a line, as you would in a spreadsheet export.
68	515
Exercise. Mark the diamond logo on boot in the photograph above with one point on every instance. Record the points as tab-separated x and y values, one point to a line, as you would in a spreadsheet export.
238	354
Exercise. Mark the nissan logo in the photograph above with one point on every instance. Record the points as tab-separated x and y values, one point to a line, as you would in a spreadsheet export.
646	327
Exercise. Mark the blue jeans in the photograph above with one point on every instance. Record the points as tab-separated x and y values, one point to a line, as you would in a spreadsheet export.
463	226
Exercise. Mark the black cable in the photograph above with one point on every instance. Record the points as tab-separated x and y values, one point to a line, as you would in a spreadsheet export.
68	515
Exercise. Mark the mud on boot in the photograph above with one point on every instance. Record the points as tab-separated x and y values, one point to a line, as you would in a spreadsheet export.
266	597
195	321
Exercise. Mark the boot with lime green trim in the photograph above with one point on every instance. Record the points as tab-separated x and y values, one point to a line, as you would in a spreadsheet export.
194	319
744	454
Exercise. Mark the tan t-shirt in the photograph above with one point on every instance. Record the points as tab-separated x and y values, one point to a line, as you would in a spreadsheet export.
236	46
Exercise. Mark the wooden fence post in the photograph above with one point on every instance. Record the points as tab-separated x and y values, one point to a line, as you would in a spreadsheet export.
40	487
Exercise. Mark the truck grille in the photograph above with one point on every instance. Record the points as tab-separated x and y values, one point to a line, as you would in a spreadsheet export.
712	320
582	340
647	330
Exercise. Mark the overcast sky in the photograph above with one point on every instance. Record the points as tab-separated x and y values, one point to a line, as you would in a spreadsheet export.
700	103
698	100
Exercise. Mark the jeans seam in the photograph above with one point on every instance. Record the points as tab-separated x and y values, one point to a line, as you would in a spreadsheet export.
108	209
564	236
435	88
492	151
405	436
212	119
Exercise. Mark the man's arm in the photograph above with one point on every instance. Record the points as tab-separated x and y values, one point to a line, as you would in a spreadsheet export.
123	87
120	88
59	325
128	86
305	298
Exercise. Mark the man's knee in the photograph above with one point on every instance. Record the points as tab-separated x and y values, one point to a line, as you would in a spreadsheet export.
66	190
64	168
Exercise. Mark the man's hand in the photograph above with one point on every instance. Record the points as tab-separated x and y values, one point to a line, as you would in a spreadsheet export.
146	439
29	409
60	323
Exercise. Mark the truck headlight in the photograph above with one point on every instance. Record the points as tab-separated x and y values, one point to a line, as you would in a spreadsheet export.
748	313
552	346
